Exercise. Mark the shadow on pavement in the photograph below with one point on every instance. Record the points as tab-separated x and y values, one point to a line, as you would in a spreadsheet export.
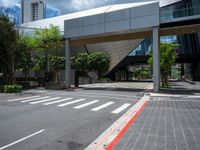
183	88
180	91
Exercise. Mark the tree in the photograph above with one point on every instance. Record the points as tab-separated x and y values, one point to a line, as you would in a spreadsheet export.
57	64
81	62
48	41
99	61
8	49
26	45
168	56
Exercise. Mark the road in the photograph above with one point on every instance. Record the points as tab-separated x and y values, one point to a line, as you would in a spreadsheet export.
49	120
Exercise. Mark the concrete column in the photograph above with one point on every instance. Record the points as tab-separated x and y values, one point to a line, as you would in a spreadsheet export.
67	64
156	59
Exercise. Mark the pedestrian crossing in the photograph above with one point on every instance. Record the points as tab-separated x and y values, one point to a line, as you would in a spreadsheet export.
54	102
92	105
102	106
121	108
35	99
69	103
19	99
86	104
46	100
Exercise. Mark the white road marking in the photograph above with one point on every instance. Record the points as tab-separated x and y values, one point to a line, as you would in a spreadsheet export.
35	99
174	95
194	96
22	139
102	106
69	103
86	104
46	100
19	99
118	110
54	102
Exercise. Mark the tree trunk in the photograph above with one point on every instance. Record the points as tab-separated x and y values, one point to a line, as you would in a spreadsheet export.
76	78
5	75
46	66
99	74
25	75
162	79
47	62
12	70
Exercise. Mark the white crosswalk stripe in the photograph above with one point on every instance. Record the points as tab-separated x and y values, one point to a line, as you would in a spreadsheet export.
54	102
46	100
29	100
102	106
69	103
61	102
86	104
19	99
120	109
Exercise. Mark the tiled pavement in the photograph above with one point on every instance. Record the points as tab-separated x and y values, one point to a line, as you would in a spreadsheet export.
165	124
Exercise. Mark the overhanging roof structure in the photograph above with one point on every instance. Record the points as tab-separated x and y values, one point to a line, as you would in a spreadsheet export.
111	21
59	21
121	18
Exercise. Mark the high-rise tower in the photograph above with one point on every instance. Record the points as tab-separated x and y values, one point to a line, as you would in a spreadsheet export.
32	10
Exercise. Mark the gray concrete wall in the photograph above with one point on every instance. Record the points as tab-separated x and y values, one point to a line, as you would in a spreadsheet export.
118	18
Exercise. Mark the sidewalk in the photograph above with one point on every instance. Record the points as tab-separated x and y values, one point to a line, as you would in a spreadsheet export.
166	123
120	86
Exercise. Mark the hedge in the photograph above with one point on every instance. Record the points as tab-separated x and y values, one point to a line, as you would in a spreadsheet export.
11	88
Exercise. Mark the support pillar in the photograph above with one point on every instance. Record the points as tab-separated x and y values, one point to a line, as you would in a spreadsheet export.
156	59
67	64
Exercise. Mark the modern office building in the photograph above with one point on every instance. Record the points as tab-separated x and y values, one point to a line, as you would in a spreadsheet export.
32	10
124	31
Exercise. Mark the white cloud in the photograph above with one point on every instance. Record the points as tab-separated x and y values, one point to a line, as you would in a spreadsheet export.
69	6
9	3
53	9
86	4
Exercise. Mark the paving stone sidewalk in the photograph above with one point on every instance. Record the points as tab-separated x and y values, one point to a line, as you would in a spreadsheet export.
165	124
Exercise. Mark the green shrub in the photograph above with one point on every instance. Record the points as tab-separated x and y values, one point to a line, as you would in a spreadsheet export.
12	88
1	88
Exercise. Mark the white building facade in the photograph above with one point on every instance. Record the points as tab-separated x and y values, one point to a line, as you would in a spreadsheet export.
32	10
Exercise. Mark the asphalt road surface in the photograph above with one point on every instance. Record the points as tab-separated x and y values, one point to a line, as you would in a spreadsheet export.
61	120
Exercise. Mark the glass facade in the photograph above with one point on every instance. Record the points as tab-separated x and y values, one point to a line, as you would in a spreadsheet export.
35	11
189	44
183	8
143	48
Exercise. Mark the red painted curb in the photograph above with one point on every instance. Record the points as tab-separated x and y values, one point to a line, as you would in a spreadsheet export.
125	129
